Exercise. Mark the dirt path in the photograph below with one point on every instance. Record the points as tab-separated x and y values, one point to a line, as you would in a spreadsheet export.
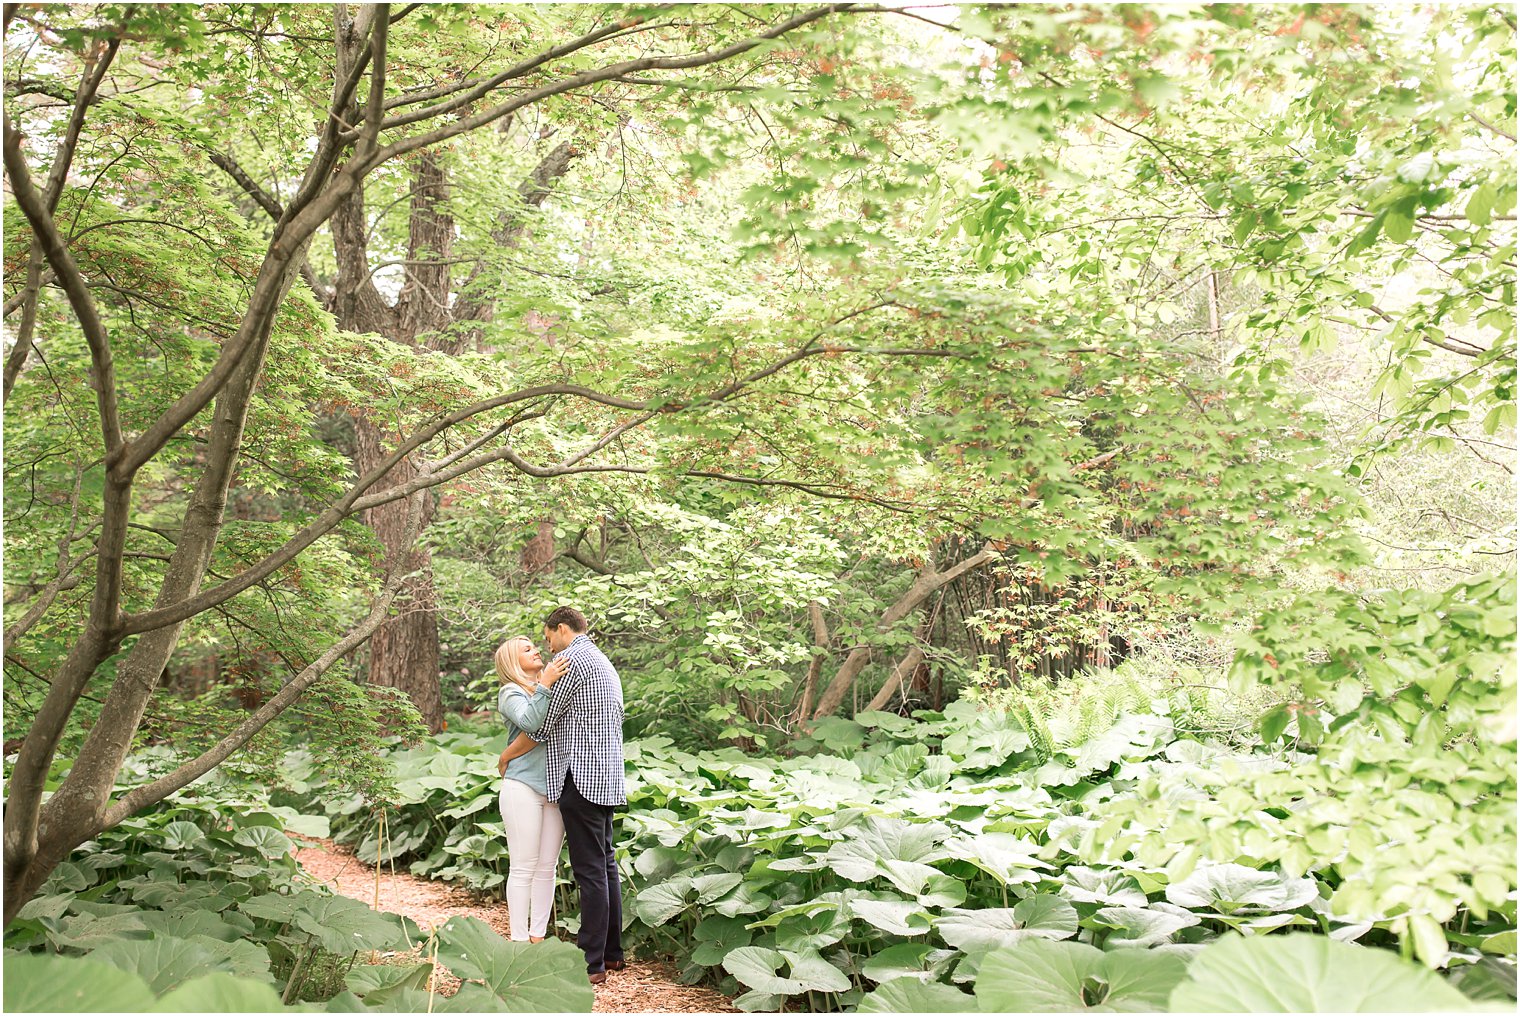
643	987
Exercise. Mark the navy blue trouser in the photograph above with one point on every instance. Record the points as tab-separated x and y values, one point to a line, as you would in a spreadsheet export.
588	831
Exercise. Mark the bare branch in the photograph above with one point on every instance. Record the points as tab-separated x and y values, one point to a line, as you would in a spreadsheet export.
588	77
374	110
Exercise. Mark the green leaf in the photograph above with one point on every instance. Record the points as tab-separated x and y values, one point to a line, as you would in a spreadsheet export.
380	980
1228	888
280	907
864	854
1429	939
756	967
269	842
716	937
1274	723
1044	976
895	917
1042	916
1142	926
179	835
1010	859
547	976
905	995
1105	886
344	926
165	963
1368	236
36	982
1480	207
1398	227
907	959
220	992
657	904
1309	973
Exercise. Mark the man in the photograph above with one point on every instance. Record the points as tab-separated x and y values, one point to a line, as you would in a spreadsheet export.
583	738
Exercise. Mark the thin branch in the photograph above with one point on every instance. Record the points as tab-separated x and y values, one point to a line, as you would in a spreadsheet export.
45	231
1497	130
588	77
272	207
141	797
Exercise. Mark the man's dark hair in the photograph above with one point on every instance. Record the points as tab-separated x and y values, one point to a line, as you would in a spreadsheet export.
566	615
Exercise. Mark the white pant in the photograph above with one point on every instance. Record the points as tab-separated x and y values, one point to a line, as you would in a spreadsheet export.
534	835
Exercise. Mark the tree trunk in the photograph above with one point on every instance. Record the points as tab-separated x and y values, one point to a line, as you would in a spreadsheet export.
928	580
815	665
908	666
404	652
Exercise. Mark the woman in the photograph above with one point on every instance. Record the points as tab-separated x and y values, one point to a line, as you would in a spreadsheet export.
534	829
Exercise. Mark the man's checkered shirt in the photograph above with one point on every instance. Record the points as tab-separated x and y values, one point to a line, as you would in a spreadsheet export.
583	731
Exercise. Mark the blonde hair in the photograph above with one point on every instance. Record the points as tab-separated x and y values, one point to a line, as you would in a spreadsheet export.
507	667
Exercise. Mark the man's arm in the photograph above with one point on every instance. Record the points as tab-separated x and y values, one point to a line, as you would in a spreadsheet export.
520	746
559	699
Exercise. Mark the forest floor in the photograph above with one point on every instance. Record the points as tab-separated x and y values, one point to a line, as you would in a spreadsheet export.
642	987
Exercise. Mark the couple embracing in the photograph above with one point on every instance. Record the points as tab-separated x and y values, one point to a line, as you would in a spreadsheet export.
562	776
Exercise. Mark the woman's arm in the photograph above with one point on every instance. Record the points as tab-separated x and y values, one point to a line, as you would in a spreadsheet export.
520	746
525	712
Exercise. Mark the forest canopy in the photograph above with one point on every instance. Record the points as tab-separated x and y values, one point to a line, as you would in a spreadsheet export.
837	361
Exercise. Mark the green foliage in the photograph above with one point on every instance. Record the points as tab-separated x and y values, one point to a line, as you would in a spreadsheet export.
1308	973
199	907
917	848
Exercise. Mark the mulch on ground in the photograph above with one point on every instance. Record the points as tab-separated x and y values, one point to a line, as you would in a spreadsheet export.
642	987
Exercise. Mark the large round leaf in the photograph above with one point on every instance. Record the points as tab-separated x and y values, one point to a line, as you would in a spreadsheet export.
165	963
545	976
908	959
279	907
1042	916
757	967
1142	926
220	993
1309	973
1228	888
1010	859
179	835
1043	976
43	983
895	917
659	903
346	926
932	887
812	931
859	856
716	937
267	841
88	931
905	995
745	899
1107	887
375	981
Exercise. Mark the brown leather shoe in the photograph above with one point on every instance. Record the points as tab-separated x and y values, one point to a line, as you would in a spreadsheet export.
617	965
597	978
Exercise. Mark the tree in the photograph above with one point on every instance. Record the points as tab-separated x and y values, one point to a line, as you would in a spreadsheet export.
366	124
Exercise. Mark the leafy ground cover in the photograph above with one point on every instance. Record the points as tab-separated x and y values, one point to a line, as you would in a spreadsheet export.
199	907
907	860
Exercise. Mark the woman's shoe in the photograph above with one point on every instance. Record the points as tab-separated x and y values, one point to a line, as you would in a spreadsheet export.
539	938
